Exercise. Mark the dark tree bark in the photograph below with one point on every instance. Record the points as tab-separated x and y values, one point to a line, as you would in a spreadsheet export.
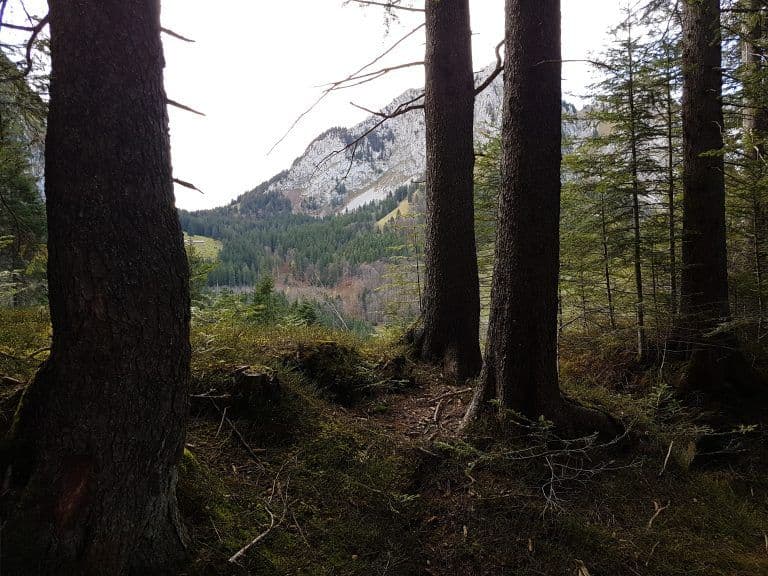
102	426
672	222
716	366
449	333
520	369
755	133
704	286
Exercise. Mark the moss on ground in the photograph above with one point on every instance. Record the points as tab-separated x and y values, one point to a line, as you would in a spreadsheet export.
352	494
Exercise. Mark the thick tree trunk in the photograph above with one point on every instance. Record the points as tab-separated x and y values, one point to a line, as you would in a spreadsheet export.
449	335
704	287
755	134
102	425
520	369
716	366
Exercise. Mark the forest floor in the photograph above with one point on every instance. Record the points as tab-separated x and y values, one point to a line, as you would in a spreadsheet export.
357	468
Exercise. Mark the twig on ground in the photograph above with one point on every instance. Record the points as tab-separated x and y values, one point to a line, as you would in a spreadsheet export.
240	553
251	451
221	424
666	460
658	510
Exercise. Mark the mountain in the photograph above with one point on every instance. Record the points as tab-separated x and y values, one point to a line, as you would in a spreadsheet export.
332	176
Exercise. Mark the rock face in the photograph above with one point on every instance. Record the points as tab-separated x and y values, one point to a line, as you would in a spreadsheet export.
328	178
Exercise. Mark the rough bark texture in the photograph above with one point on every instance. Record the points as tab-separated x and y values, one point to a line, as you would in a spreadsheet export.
755	133
102	425
672	223
716	365
704	286
520	369
449	334
642	344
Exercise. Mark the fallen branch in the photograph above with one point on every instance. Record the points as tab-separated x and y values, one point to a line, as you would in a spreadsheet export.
450	394
240	553
658	510
666	460
251	451
273	523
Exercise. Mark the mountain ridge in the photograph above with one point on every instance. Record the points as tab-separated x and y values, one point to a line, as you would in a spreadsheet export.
331	176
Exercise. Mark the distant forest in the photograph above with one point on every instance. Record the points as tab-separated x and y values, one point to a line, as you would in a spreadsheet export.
262	237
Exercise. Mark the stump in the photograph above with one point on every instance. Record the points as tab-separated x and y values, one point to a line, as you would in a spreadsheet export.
254	388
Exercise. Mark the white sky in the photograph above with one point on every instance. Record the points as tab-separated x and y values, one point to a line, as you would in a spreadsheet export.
256	65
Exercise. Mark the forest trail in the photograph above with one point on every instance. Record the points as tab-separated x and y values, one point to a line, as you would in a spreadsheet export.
430	410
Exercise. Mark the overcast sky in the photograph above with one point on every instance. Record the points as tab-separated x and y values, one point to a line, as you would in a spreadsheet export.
256	65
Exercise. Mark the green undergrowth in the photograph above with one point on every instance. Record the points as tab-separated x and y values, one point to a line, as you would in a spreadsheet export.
338	490
24	340
362	499
328	478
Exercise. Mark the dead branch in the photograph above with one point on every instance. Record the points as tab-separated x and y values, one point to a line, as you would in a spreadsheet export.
496	71
328	90
273	522
251	451
394	5
658	509
666	460
187	185
370	76
36	29
256	540
177	35
450	394
182	106
403	108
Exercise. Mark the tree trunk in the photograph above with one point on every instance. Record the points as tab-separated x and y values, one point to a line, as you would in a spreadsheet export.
637	238
520	369
672	224
704	287
102	426
716	366
607	262
451	304
755	133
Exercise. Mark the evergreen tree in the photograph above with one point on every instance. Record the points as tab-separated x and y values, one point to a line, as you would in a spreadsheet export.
102	425
449	328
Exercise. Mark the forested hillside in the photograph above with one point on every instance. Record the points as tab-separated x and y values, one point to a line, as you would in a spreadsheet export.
262	236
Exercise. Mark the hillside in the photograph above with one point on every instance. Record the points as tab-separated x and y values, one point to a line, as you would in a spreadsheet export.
355	468
324	217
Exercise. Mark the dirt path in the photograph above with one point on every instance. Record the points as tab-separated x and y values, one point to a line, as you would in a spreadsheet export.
434	409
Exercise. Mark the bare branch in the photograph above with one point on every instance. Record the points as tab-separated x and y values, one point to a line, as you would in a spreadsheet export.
31	43
187	185
182	107
328	90
403	108
17	27
496	71
371	76
176	35
388	5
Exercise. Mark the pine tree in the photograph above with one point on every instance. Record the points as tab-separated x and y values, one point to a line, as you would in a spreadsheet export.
448	333
101	429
